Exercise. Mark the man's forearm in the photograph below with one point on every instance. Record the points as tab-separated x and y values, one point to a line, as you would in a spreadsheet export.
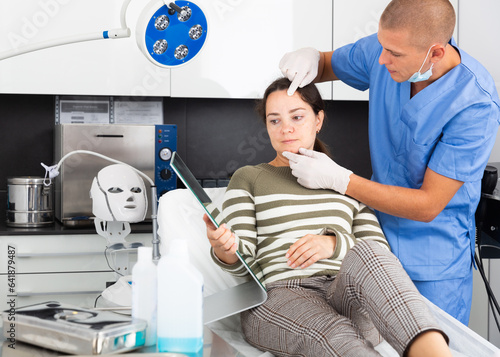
422	204
325	71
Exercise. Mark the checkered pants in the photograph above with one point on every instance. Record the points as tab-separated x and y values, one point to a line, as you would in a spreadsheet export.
370	298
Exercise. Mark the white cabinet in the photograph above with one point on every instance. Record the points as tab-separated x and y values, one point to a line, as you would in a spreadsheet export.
353	20
80	289
246	42
70	268
100	67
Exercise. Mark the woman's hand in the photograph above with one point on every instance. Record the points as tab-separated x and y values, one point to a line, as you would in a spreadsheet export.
309	249
222	241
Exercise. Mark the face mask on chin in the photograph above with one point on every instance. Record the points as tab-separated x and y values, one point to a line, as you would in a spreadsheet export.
417	76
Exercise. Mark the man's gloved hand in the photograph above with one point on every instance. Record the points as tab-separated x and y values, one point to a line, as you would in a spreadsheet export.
316	170
300	67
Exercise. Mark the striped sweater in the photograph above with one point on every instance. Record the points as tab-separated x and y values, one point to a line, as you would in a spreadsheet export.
268	211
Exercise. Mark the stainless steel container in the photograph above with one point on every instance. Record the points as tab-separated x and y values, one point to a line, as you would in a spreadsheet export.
132	144
72	330
29	202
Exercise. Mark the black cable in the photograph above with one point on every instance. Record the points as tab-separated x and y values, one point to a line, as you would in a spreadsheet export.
491	296
97	298
495	309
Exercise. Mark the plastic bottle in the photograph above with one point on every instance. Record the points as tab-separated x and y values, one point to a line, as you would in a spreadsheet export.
144	292
180	302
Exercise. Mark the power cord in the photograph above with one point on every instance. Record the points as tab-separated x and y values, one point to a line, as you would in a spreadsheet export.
95	301
495	308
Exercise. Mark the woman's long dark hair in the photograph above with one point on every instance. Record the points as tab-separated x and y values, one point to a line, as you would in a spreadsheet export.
308	93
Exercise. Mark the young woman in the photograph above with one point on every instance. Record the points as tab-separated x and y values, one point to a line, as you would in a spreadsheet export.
333	285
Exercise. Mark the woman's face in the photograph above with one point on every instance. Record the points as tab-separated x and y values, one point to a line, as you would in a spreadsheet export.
291	123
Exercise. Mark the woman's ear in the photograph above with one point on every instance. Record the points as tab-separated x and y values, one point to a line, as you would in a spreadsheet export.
319	120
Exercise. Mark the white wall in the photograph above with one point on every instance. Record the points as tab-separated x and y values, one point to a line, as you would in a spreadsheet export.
478	35
479	30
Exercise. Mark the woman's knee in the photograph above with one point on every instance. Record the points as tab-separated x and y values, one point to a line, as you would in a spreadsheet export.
367	247
341	338
367	251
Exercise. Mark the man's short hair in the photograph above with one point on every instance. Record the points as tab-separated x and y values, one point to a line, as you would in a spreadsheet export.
428	21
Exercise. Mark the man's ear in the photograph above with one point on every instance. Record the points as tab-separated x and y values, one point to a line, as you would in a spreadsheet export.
437	53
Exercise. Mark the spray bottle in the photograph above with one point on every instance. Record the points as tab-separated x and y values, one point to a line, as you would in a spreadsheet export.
180	302
144	292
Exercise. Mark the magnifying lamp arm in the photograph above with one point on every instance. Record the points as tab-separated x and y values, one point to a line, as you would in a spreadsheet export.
123	14
108	34
116	33
50	43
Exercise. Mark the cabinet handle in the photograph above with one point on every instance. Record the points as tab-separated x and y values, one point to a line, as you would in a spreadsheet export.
34	255
27	293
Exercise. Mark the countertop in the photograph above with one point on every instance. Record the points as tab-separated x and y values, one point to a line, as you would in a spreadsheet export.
55	228
213	345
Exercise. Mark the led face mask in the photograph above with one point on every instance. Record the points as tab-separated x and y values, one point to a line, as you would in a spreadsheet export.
118	194
417	76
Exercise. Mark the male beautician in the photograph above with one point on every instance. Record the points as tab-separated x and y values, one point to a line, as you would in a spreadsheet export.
433	117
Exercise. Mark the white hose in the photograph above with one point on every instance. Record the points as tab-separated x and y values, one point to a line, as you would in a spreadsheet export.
53	171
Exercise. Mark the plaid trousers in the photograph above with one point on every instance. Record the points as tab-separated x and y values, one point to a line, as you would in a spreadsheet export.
372	297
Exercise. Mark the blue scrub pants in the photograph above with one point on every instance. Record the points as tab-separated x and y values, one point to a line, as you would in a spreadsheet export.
453	296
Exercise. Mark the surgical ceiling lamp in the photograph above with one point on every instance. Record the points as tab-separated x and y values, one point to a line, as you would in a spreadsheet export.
168	33
172	35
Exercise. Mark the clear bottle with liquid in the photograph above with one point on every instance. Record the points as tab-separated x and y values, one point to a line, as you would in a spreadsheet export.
180	302
144	292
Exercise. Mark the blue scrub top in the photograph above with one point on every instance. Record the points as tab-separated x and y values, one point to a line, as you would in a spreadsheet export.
450	127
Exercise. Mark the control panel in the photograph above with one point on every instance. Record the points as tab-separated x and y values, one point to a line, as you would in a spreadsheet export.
165	145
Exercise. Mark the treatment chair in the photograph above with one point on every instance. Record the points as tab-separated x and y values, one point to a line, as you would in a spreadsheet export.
180	216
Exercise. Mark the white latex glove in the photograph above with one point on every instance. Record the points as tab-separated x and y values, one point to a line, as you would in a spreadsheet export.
316	170
300	67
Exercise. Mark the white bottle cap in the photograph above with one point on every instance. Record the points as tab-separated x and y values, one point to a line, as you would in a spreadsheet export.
144	254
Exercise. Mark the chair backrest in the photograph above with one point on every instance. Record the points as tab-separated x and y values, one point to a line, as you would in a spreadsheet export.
181	216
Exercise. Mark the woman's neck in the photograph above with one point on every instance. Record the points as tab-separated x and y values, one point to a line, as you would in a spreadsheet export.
279	161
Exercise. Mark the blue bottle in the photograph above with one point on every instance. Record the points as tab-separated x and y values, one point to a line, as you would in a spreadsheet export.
144	294
180	302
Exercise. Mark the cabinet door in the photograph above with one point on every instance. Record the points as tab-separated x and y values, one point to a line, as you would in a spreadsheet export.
353	20
100	67
63	253
245	43
81	289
